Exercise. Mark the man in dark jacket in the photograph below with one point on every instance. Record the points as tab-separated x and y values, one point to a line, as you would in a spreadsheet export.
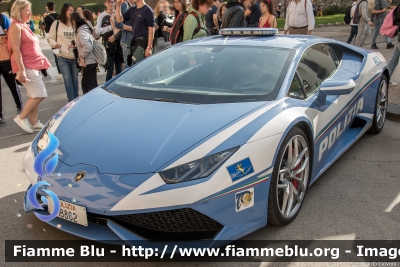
234	15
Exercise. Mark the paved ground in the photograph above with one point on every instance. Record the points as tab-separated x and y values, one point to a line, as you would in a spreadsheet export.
357	198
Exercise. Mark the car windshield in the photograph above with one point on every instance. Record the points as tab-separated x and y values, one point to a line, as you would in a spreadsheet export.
207	74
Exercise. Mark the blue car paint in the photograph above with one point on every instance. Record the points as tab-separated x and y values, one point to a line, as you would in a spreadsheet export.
368	93
220	208
98	192
133	143
235	224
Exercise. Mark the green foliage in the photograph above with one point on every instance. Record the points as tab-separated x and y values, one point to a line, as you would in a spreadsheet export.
8	7
334	9
95	8
318	20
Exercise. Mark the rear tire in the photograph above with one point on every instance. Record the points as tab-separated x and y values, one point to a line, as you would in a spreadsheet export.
290	178
381	104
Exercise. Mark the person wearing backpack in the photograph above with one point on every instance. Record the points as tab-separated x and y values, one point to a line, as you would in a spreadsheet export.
194	25
354	27
84	44
176	31
379	13
364	22
143	22
60	37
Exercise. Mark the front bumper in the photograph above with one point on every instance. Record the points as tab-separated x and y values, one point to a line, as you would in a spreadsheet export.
213	219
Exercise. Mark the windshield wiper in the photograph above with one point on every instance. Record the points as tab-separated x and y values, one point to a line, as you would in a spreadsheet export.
111	92
172	100
163	100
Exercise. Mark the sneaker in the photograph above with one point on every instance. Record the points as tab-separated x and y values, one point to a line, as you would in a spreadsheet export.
392	83
389	46
2	122
374	46
24	124
19	110
38	126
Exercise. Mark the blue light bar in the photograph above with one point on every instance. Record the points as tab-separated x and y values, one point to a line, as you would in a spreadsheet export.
248	31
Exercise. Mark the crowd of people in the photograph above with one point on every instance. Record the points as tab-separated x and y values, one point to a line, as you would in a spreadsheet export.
361	22
129	31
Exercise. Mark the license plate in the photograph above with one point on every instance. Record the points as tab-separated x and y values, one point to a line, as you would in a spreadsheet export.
70	212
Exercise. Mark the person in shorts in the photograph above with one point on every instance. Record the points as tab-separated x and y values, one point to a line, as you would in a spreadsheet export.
28	64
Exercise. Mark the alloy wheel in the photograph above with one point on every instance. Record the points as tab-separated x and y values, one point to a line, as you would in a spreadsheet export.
382	104
293	176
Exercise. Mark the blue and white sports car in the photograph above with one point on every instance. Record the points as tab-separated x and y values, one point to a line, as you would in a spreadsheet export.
210	139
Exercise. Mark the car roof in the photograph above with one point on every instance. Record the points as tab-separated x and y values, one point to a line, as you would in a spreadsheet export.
279	40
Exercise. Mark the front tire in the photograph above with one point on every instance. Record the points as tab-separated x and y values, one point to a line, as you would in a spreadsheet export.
290	178
381	105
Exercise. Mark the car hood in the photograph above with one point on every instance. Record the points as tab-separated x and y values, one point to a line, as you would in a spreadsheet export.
120	135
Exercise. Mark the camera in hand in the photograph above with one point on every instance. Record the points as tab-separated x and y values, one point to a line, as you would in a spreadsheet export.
168	21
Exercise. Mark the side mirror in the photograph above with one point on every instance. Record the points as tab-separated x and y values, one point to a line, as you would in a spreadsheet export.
337	87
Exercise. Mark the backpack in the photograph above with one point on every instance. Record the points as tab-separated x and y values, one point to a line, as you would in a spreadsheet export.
357	13
4	52
347	16
176	35
389	28
99	52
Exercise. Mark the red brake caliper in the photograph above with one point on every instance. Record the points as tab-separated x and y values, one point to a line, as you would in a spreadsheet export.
294	182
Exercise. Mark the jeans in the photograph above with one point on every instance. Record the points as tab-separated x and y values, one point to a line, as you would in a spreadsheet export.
363	30
126	52
353	33
118	66
394	59
89	78
70	74
161	44
377	30
9	78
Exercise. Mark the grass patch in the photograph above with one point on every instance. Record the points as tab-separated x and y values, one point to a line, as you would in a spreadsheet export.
318	20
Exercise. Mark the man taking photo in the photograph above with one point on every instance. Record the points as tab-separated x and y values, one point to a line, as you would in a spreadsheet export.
127	35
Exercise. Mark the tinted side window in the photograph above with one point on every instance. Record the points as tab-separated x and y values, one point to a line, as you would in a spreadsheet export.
315	66
295	89
336	53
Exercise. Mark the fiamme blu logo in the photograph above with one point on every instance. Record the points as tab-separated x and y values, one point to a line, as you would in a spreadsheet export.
45	163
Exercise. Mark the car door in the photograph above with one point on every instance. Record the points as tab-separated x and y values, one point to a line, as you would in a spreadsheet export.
318	63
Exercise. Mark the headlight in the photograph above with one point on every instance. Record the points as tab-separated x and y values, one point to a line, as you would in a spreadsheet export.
53	124
196	169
